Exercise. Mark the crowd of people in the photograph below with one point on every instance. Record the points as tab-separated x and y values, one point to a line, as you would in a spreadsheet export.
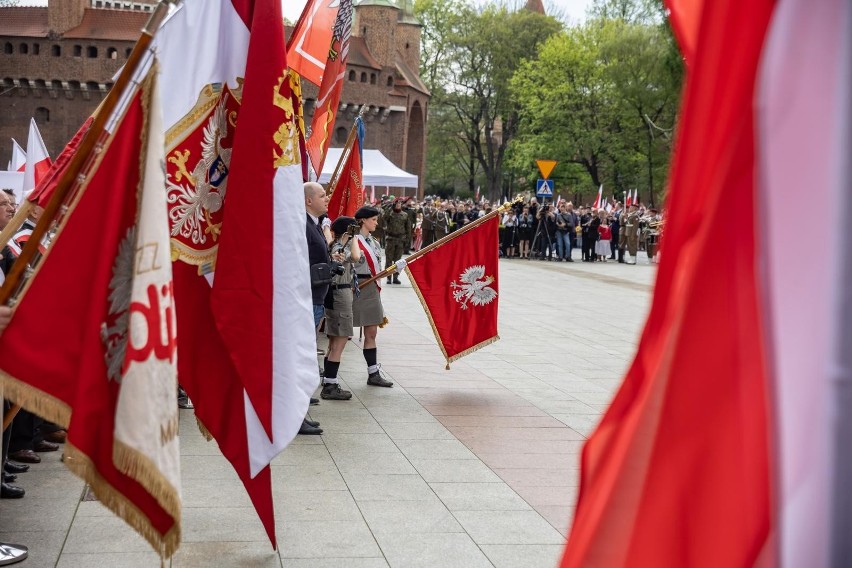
530	229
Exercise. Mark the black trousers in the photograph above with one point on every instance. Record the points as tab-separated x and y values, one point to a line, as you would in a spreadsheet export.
25	431
588	248
613	244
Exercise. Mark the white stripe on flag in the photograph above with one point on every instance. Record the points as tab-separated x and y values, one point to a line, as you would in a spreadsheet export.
802	150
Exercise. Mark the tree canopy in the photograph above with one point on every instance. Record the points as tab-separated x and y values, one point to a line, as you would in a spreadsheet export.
511	86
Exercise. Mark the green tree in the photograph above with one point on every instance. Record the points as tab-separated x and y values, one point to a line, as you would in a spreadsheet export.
469	57
602	98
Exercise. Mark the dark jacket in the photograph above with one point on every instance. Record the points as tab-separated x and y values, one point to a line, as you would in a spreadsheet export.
317	253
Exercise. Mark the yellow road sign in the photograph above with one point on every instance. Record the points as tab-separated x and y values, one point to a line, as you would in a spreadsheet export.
545	167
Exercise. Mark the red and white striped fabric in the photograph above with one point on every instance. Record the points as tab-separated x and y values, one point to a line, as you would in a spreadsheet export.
247	339
727	444
599	199
38	160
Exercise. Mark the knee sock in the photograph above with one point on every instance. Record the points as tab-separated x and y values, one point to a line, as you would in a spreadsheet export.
331	368
370	358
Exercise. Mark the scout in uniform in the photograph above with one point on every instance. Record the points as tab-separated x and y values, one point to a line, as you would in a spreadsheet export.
367	311
338	304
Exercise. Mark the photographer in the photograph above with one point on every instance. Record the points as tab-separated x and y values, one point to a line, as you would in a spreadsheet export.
338	304
566	226
546	231
525	229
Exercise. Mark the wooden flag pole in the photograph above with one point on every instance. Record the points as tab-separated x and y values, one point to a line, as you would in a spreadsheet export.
441	242
344	153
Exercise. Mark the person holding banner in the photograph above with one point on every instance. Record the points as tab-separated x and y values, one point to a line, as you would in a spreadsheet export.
367	311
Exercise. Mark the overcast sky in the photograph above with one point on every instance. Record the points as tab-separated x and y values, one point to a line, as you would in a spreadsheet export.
575	10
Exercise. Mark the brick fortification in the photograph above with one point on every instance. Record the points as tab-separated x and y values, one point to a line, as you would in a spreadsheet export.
57	63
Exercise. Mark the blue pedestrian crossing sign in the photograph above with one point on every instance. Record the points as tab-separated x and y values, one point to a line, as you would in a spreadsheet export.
544	188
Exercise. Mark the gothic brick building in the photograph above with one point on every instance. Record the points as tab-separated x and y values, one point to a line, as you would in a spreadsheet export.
56	64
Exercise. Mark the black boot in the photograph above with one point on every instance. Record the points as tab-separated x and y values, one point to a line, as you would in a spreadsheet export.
396	279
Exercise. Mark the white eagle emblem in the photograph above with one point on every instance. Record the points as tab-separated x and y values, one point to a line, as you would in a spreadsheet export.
114	333
203	192
474	287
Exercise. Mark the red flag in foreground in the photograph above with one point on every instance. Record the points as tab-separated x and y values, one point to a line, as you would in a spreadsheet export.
328	99
348	194
236	207
678	471
457	285
99	358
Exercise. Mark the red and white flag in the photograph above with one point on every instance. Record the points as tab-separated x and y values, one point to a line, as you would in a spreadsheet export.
328	99
100	358
45	187
240	263
457	284
307	48
727	444
599	199
19	158
38	160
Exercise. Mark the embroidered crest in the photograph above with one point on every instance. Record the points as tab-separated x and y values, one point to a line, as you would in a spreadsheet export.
114	331
199	160
474	287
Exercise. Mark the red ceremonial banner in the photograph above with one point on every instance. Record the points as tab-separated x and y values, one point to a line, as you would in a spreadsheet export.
458	286
348	195
53	357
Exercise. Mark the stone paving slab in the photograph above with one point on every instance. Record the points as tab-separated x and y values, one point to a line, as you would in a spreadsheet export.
475	466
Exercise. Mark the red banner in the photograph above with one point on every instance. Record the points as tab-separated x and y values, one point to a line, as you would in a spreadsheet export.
65	356
307	48
457	285
348	194
328	99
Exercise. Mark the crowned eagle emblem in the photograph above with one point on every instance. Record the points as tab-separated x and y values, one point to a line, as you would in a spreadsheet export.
473	288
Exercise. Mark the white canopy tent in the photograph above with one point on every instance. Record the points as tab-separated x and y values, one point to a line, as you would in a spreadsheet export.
378	171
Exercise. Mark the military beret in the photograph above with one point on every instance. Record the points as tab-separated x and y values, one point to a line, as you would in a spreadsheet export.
341	224
366	212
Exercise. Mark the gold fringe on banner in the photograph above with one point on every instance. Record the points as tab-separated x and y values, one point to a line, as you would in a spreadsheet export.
203	429
34	400
134	464
79	463
435	329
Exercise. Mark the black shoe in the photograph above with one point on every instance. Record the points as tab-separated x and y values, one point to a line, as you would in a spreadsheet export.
396	280
9	477
309	430
45	446
389	279
11	491
332	391
314	401
10	467
569	260
185	403
311	423
376	380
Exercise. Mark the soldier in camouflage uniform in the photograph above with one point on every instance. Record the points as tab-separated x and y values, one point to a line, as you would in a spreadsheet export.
397	236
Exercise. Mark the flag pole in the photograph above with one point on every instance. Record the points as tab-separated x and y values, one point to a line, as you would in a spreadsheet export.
344	153
441	242
22	267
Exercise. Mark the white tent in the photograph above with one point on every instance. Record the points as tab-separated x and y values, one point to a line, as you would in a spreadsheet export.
378	170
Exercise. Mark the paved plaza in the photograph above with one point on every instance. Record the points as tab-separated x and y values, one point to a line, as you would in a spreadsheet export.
476	466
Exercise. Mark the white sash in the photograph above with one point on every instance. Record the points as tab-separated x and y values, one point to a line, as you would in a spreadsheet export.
371	257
